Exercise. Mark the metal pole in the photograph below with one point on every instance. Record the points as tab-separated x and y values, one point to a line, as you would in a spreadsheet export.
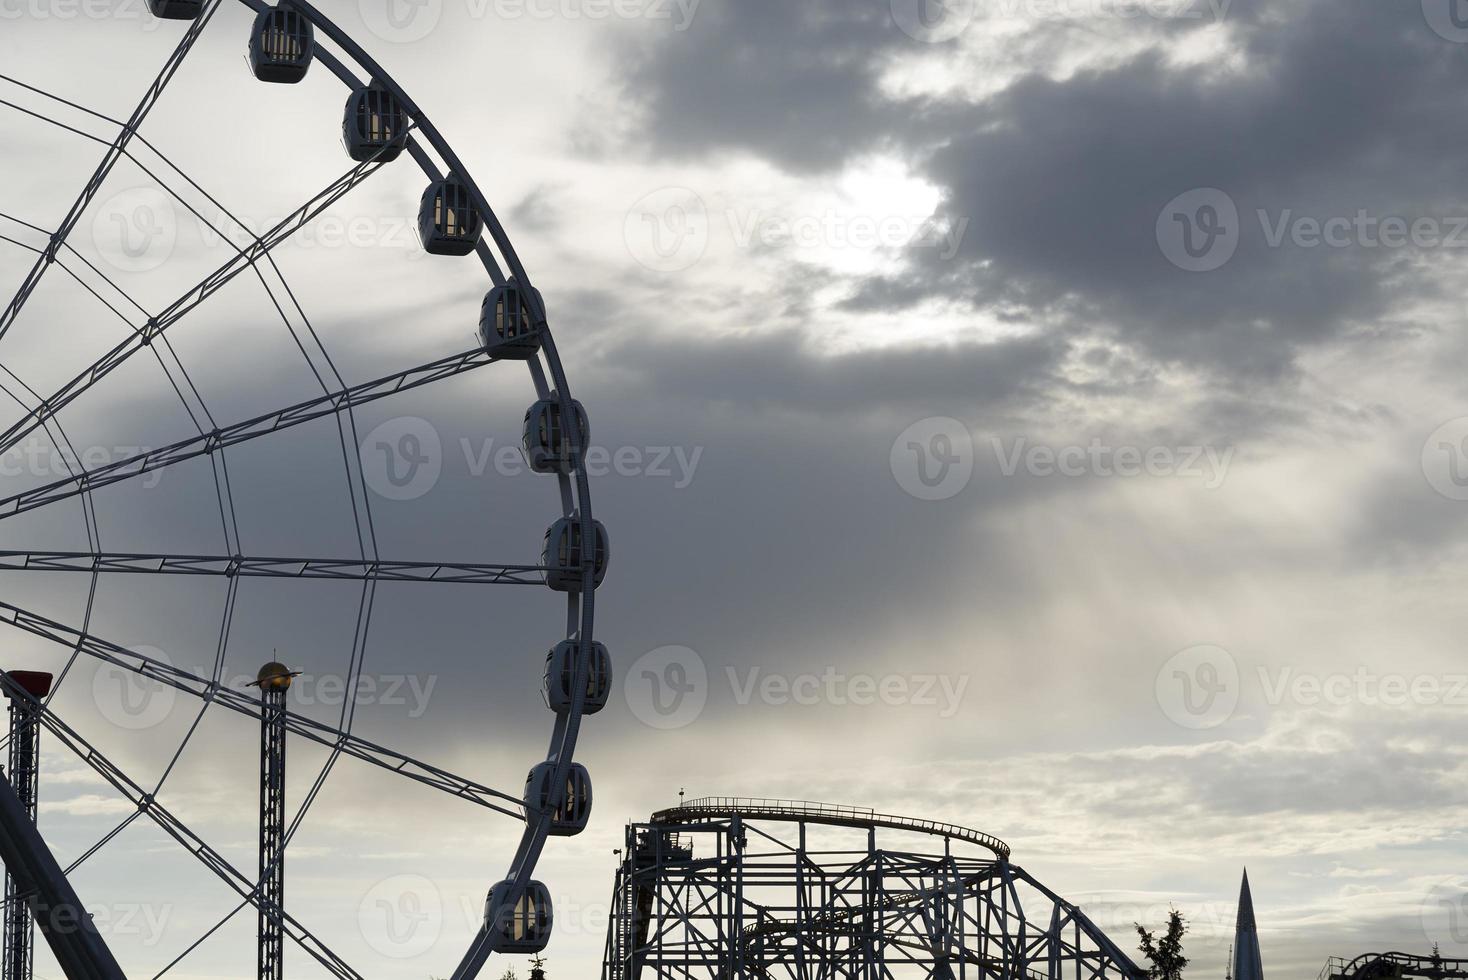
23	766
42	885
274	681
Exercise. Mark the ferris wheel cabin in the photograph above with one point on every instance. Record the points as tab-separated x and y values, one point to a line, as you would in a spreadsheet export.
281	44
507	325
570	809
176	9
518	923
562	554
560	676
374	127
448	223
548	447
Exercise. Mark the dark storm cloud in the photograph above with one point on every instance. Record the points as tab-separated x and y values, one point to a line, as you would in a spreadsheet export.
799	84
1342	108
792	82
1338	107
537	211
793	376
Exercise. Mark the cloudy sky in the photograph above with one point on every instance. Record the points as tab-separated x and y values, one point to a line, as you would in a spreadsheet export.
1043	415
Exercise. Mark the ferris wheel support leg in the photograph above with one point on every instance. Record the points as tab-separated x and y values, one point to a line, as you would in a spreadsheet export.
64	923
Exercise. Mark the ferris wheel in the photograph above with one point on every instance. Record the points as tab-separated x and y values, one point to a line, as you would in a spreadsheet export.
381	127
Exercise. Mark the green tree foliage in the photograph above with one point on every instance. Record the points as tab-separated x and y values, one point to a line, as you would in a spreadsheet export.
1165	956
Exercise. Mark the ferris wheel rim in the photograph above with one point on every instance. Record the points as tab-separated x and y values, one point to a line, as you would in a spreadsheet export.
574	487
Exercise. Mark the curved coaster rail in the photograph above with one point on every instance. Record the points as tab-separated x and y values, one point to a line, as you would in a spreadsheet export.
1370	966
716	807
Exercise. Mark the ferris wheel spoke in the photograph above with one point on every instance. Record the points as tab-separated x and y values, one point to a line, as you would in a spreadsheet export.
78	279
263	425
348	569
178	830
179	198
114	153
182	201
97	648
196	295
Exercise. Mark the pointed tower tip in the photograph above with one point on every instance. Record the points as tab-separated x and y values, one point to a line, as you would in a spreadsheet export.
1246	904
1247	963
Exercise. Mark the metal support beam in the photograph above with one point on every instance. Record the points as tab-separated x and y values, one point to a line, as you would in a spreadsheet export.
783	890
23	767
147	804
106	651
318	407
339	569
274	682
65	924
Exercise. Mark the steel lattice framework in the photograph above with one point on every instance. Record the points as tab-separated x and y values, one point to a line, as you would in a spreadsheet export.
146	335
272	831
722	888
1395	966
24	757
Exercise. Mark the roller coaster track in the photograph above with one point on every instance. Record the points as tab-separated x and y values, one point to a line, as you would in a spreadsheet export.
800	811
1377	966
837	921
831	920
696	908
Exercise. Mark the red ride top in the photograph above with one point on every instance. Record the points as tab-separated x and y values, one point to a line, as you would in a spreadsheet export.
36	683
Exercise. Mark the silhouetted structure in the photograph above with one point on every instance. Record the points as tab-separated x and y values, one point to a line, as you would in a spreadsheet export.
1394	966
274	680
23	768
1248	964
721	888
379	122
